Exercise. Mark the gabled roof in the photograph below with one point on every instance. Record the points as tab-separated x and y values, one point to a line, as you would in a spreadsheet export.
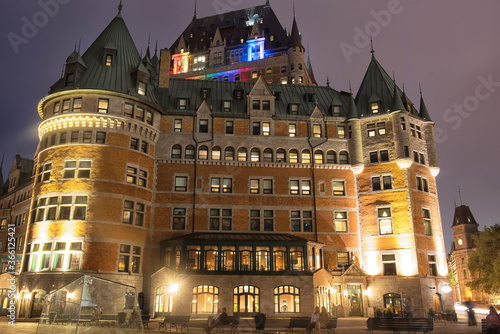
463	215
75	57
217	90
377	85
118	77
233	27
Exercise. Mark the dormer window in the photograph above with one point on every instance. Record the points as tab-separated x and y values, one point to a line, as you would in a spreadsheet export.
141	88
182	104
205	92
254	74
226	106
375	107
271	38
294	109
266	105
256	104
182	50
70	79
109	60
316	130
335	111
310	97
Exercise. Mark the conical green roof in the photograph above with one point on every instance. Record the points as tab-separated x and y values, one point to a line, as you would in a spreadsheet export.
423	110
397	103
353	110
295	39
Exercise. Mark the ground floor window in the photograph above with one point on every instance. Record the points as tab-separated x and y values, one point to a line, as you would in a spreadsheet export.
286	299
205	299
246	299
163	300
392	301
323	297
438	304
38	298
4	301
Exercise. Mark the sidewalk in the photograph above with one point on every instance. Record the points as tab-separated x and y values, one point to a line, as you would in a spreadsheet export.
345	326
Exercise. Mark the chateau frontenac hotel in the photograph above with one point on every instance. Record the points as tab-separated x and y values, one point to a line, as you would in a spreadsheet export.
218	173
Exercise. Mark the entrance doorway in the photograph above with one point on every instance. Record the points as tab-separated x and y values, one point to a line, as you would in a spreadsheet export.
438	304
37	306
355	301
392	301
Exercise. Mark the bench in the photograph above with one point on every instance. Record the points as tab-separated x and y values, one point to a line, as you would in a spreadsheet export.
297	322
175	321
107	320
84	319
62	318
232	325
145	320
483	327
397	325
331	326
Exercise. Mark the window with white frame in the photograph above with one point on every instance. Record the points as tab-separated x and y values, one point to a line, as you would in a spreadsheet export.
179	219
133	213
129	259
221	219
300	187
102	106
340	221
205	299
137	176
342	259
389	264
44	172
79	169
301	221
381	182
177	125
181	183
58	255
339	188
60	208
261	220
226	183
286	299
426	214
385	220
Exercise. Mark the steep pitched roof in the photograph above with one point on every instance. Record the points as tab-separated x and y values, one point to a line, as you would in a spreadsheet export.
234	26
115	38
295	39
423	110
463	215
378	86
310	70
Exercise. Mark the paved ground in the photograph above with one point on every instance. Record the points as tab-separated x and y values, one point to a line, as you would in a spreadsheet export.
345	326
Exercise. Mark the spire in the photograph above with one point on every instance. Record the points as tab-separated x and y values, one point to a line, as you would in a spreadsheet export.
327	81
120	7
295	39
294	10
372	51
195	15
353	110
267	4
423	108
397	103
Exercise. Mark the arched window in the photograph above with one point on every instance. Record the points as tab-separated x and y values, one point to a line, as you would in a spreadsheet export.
393	301
268	155
229	154
246	300
255	155
306	157
205	299
286	299
163	301
280	155
176	152
331	157
246	258
323	296
189	153
344	157
203	153
242	154
216	153
294	156
318	157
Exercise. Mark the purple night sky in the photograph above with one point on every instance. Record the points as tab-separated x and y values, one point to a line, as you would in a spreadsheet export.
451	47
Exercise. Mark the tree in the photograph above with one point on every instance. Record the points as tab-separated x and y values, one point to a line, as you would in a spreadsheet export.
484	263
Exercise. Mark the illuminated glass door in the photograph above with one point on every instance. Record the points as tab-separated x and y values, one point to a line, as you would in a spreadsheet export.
246	300
355	300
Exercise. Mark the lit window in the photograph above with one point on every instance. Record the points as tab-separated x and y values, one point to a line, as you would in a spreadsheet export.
139	114
109	60
65	106
177	125
318	157
268	155
189	152
389	264
242	154
57	108
294	109
77	105
129	259
216	153
306	157
182	104
340	131
133	213
63	208
229	154
301	221
342	259
149	118
203	126
141	88
179	219
181	183
284	81
266	128
375	107
316	130
103	106
280	155
137	176
129	110
255	155
269	71
226	106
77	169
426	214
340	221
205	299
286	299
385	221
254	74
292	130
339	188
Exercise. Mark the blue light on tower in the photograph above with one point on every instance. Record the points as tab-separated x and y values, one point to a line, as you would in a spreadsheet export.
256	48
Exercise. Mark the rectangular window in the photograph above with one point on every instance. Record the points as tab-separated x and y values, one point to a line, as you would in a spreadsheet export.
256	128
57	108
374	107
149	117
179	219
422	184
65	208
426	214
65	106
181	183
301	221
139	113
316	130
383	182
129	110
103	106
266	129
109	60
422	159
294	109
141	88
266	105
389	263
227	185
221	219
292	130
144	147
373	157
203	126
229	127
403	124
77	169
133	213
254	186
432	265
134	144
267	186
339	188
77	105
177	125
385	221
137	176
226	105
294	187
255	104
44	172
340	221
340	131
129	259
100	137
74	137
87	137
384	155
415	156
342	259
261	220
182	104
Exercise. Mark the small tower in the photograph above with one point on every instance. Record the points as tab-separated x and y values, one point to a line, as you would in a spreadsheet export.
296	64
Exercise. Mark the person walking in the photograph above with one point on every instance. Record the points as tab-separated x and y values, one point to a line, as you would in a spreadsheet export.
492	322
471	313
409	309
